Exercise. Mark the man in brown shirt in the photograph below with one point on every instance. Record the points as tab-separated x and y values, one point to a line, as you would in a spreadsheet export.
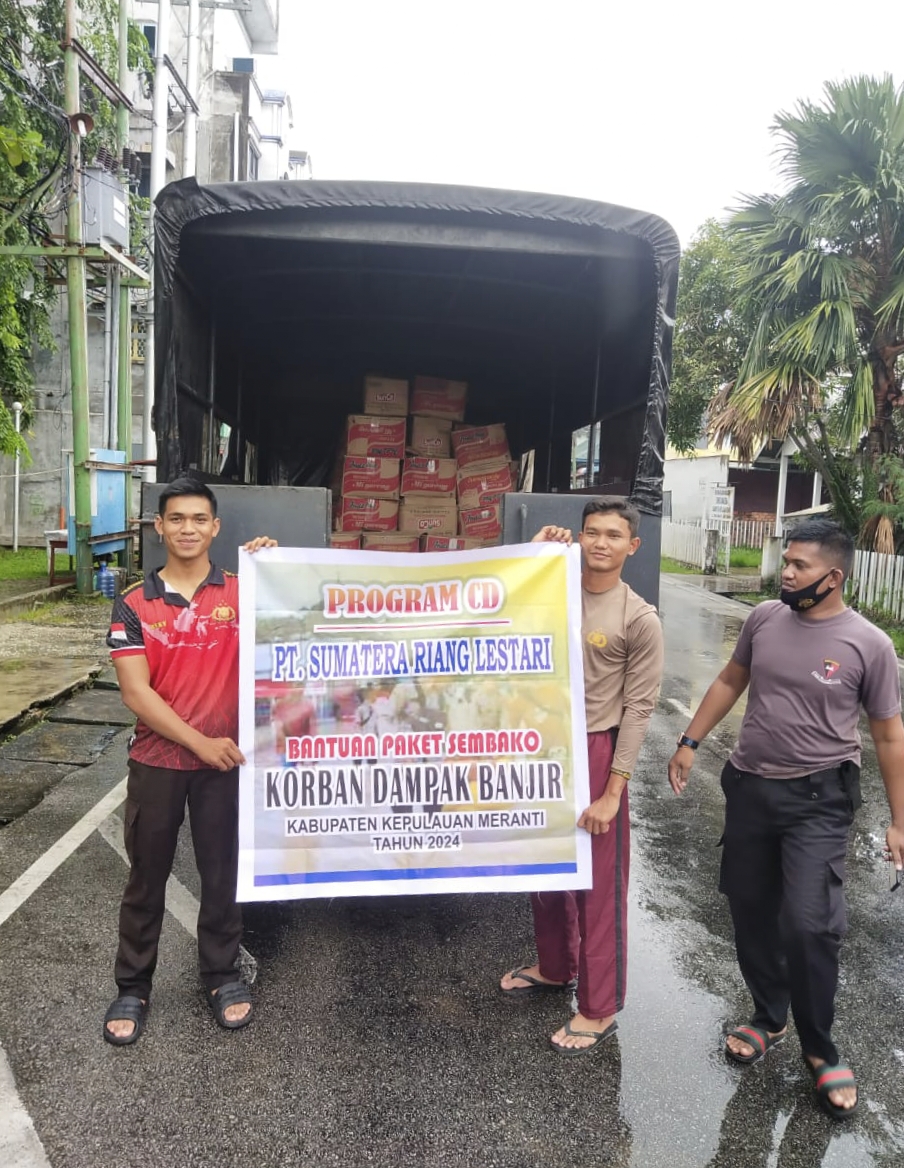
792	785
584	934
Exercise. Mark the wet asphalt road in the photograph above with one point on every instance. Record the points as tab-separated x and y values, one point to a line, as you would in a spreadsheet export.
380	1038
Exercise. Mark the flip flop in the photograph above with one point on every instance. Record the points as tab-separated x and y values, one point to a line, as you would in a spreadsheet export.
536	986
234	993
828	1079
754	1036
599	1037
125	1009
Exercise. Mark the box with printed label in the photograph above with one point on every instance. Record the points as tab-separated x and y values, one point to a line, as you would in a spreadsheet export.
480	444
385	395
360	514
431	437
351	540
481	522
374	478
428	476
435	397
435	516
483	483
390	541
375	437
449	543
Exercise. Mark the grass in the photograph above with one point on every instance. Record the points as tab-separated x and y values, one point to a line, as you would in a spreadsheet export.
25	564
668	565
746	557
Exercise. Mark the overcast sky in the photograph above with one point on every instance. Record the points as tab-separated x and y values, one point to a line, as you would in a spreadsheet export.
660	106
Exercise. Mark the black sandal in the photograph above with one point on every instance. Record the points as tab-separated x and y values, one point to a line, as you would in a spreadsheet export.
125	1009
234	993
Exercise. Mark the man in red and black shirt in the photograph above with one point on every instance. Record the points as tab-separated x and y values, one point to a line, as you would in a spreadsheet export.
174	643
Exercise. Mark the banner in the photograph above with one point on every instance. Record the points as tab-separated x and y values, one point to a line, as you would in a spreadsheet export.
411	723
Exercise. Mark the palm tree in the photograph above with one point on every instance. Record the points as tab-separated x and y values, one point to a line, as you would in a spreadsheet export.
821	271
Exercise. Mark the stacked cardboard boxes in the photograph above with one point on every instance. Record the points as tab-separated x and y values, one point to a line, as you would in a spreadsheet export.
439	490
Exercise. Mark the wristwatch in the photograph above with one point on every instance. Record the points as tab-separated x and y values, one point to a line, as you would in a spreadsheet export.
683	740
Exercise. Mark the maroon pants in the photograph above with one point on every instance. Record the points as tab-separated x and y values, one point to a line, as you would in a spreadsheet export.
154	810
585	934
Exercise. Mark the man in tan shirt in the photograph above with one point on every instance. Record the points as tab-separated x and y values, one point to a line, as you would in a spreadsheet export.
584	934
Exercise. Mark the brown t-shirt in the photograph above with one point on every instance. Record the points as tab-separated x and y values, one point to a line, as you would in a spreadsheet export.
808	680
622	640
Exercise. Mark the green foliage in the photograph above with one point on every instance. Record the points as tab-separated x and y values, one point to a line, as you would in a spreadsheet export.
35	172
821	273
710	333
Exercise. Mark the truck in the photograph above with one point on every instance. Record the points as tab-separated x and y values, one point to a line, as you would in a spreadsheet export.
275	300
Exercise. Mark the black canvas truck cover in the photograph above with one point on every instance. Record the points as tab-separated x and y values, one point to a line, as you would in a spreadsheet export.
273	300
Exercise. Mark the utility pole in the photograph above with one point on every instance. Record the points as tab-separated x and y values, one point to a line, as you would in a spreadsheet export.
78	318
190	129
158	180
124	367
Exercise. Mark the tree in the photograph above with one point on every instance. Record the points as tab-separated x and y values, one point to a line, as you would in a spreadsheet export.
711	336
821	273
35	171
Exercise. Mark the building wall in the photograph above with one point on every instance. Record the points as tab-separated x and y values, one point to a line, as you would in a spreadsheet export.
686	479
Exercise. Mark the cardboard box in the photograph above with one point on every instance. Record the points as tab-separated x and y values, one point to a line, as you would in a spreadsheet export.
482	484
435	397
385	396
428	476
431	437
481	522
375	437
350	540
434	516
480	444
372	478
449	543
360	514
390	541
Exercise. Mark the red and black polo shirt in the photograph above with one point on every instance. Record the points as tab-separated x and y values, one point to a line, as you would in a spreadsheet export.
192	649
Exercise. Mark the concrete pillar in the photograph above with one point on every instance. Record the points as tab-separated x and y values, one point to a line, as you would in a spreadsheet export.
771	563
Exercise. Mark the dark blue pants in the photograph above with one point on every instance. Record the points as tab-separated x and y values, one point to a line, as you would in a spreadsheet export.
783	873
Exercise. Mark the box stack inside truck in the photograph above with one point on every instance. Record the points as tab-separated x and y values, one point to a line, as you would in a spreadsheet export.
411	475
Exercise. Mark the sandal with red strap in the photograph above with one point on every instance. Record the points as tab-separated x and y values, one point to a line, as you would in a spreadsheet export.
754	1036
827	1079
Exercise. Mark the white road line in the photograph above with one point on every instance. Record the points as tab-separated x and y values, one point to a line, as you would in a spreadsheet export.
45	866
679	707
19	1143
180	903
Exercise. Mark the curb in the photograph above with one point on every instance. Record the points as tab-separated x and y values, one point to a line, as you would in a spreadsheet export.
13	605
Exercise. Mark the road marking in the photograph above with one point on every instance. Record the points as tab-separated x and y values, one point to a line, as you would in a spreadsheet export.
679	707
20	1146
180	903
45	866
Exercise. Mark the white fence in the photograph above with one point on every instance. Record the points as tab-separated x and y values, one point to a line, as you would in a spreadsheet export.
877	581
750	533
683	542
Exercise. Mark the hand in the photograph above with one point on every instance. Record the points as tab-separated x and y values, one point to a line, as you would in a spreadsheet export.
262	541
552	534
680	767
596	818
894	843
220	753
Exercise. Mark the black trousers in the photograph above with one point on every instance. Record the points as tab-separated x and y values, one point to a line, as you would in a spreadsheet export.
154	810
783	872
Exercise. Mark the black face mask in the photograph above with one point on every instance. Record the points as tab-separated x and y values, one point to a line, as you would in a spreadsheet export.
806	598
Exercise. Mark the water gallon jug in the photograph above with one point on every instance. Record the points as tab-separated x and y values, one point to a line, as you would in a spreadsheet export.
106	582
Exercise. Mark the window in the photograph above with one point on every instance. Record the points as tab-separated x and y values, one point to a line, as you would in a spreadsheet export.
150	35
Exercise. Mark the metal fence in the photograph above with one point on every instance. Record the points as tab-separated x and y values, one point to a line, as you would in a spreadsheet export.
877	581
750	533
683	542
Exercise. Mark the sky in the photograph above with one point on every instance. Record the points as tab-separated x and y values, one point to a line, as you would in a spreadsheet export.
664	107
